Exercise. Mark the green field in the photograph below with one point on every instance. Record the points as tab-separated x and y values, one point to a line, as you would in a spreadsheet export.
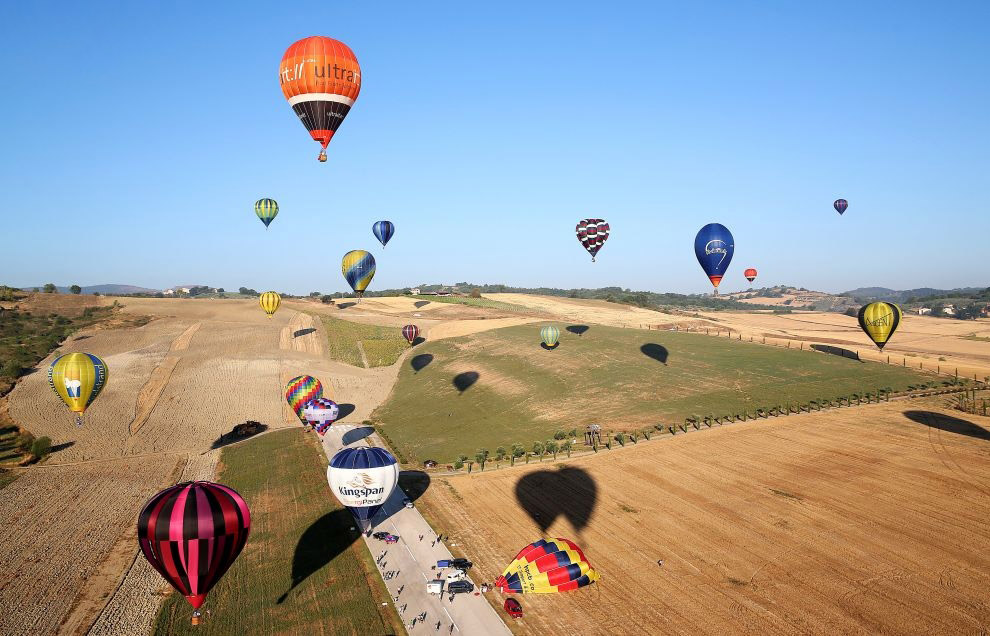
487	303
620	378
382	345
303	570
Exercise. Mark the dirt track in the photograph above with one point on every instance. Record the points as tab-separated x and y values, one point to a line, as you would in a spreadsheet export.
852	521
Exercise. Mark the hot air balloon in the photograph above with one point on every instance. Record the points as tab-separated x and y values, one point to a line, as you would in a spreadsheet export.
592	233
410	333
267	210
547	566
321	79
879	320
77	378
550	335
362	479
358	268
383	231
192	533
320	414
750	274
301	390
840	205
269	302
714	246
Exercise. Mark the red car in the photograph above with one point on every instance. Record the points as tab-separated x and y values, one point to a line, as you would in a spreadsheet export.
513	607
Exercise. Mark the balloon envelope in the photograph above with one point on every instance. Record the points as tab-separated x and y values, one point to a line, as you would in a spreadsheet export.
321	79
750	274
320	414
592	233
269	302
840	205
362	479
410	333
383	231
550	335
879	320
547	566
77	378
358	268
300	390
191	534
714	247
267	210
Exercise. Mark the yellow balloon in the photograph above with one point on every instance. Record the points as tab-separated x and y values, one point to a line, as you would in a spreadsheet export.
77	378
879	320
270	302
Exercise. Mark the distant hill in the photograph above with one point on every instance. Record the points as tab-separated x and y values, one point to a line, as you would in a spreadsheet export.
110	289
901	296
784	296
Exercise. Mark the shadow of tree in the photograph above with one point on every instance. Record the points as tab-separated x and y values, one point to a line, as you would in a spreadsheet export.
57	447
948	423
463	381
421	361
327	537
548	494
836	351
655	351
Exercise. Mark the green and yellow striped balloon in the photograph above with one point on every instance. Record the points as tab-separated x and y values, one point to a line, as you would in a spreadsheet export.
550	336
267	210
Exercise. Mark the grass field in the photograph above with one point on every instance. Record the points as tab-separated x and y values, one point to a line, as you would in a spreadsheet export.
501	387
382	345
487	303
303	571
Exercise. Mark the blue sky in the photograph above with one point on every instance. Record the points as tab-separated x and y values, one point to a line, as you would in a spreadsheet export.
137	137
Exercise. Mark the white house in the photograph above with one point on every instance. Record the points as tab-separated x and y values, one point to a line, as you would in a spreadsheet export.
414	291
924	310
949	310
168	292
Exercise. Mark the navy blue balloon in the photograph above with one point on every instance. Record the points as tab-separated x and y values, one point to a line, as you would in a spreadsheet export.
714	246
383	231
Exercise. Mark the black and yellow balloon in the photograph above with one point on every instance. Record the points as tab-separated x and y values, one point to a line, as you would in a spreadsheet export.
879	320
77	378
269	302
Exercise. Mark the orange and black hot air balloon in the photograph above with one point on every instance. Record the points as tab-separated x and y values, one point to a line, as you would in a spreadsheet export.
750	274
321	79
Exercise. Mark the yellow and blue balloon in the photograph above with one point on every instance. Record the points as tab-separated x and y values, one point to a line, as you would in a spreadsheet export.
77	378
358	268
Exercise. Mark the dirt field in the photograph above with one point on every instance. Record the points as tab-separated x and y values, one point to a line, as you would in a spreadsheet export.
857	521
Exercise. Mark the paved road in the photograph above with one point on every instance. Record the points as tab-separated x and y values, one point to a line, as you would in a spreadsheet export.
411	560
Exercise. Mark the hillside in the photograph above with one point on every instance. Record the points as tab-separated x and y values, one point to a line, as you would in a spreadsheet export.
110	288
905	295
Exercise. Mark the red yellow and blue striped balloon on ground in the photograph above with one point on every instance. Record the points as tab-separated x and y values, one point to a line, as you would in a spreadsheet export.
547	566
77	378
301	390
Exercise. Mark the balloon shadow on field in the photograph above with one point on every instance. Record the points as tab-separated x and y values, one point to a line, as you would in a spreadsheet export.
418	340
655	351
548	347
345	410
948	423
356	434
57	447
836	351
345	305
464	381
414	483
421	303
548	494
577	329
421	361
302	332
321	543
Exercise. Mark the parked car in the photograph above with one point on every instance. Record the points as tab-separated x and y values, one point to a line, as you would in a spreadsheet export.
387	537
461	564
460	587
380	536
457	575
513	607
407	502
434	587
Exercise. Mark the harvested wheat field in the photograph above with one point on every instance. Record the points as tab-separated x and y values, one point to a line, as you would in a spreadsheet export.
866	520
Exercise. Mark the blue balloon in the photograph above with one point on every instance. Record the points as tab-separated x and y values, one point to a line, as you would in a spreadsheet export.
714	247
383	231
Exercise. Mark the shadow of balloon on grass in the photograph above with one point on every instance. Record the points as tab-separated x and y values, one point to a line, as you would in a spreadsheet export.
577	329
655	351
328	537
421	361
463	381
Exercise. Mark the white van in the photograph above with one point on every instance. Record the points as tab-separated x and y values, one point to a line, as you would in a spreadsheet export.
456	575
435	587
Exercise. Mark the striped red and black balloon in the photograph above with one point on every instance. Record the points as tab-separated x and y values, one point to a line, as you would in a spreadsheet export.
840	205
592	233
410	333
192	533
750	274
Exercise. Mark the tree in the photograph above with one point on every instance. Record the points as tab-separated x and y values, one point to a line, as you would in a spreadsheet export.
470	464
566	446
41	448
621	438
499	455
50	288
315	294
36	289
481	456
96	293
559	435
551	447
75	289
24	441
459	464
517	451
852	311
475	293
326	300
220	290
538	449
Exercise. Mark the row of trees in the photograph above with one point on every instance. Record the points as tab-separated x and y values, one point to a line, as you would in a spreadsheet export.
516	451
35	448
